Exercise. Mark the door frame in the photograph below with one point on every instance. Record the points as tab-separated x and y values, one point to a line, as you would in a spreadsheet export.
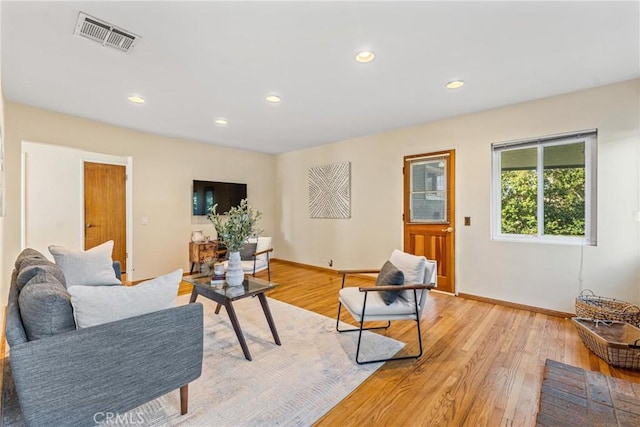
127	162
454	216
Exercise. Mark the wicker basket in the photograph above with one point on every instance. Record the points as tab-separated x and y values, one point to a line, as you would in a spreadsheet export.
592	306
617	343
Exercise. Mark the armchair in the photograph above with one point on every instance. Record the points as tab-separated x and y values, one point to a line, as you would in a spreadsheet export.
365	303
260	259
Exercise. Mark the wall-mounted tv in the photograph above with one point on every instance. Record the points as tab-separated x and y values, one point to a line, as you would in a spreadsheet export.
226	194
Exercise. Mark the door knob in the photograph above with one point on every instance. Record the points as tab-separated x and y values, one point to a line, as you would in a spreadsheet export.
89	225
448	229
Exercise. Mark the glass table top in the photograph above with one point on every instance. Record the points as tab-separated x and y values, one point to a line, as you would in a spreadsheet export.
250	286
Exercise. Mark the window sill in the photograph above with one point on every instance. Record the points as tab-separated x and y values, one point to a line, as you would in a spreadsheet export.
551	240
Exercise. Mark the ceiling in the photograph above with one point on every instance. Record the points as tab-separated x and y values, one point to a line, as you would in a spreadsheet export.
198	61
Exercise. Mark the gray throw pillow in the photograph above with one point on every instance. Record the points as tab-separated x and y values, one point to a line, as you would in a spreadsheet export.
28	253
91	267
246	252
389	275
45	307
28	273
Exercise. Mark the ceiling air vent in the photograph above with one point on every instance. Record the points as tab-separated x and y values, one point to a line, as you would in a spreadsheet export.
104	33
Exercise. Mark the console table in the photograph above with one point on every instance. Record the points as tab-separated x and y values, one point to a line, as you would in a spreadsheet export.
199	251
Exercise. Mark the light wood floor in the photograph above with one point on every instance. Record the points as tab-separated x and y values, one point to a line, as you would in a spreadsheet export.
482	363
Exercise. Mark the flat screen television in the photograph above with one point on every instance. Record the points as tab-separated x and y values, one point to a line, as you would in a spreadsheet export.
226	194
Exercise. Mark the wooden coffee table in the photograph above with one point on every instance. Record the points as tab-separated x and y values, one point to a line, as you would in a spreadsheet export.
224	295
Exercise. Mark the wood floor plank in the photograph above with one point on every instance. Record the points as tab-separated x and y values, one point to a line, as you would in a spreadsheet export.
482	363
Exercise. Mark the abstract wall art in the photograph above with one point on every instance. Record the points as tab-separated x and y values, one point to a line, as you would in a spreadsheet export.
330	191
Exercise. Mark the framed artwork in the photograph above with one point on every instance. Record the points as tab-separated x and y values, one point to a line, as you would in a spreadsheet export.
330	191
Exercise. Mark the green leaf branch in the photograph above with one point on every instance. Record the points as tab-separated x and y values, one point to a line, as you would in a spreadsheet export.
240	224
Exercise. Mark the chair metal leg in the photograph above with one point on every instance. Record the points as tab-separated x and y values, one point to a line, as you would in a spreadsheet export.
268	267
254	266
361	328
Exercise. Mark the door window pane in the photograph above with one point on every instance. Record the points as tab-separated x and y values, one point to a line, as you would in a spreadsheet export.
429	191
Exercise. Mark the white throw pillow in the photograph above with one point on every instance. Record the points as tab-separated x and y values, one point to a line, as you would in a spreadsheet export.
92	267
411	265
95	305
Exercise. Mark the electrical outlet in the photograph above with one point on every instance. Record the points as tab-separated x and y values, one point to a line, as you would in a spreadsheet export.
467	220
330	263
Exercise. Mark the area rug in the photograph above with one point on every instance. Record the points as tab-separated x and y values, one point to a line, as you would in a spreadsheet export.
290	385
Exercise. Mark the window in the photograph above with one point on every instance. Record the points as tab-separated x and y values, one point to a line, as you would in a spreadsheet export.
545	189
428	203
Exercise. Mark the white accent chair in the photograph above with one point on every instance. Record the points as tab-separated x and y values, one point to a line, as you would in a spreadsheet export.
365	304
260	260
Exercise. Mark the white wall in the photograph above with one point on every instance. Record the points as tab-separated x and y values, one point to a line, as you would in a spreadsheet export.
53	195
539	275
163	172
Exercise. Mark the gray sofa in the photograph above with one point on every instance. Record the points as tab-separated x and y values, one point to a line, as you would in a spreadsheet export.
70	377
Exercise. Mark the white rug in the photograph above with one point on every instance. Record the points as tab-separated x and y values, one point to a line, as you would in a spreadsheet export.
290	385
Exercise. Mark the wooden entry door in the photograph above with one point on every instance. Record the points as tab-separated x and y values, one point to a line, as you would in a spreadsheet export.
105	208
429	211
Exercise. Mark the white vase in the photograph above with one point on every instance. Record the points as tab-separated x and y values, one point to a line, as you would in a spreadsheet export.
235	275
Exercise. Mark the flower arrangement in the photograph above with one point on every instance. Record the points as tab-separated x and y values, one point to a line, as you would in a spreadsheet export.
239	225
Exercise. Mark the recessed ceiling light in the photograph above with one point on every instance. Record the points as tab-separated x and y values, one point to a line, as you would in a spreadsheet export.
220	121
136	99
274	99
365	56
455	84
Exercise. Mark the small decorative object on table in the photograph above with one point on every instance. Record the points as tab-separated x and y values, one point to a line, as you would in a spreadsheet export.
218	269
240	225
217	279
197	236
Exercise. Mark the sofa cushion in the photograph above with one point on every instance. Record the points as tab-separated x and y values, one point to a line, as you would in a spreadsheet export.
14	330
26	254
389	275
91	267
45	307
95	305
28	273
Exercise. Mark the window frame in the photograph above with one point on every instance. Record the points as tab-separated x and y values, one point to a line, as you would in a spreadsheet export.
589	137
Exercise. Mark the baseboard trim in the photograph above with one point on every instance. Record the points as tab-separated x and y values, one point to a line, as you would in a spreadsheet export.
518	306
299	264
186	288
